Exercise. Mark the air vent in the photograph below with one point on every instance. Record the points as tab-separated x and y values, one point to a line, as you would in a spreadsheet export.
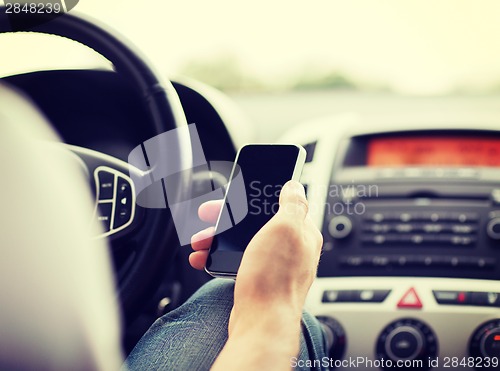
310	147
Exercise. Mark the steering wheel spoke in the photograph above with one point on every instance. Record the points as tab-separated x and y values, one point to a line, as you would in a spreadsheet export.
114	192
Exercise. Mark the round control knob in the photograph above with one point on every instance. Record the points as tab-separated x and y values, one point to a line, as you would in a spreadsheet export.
407	340
404	342
493	228
335	337
485	342
340	226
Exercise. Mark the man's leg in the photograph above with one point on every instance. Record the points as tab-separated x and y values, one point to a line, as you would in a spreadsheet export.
192	336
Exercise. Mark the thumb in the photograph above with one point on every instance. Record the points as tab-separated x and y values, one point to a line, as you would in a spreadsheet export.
293	202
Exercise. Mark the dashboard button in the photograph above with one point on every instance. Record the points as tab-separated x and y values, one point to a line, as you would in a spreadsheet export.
403	228
491	344
487	299
487	263
463	228
355	296
472	262
485	342
372	296
406	339
375	217
412	261
431	216
406	217
495	196
340	227
463	240
432	228
377	228
410	300
386	239
380	261
354	261
338	296
400	261
417	239
440	261
404	343
464	217
493	229
452	297
457	240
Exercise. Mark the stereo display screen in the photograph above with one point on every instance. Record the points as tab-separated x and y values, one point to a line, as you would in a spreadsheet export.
433	151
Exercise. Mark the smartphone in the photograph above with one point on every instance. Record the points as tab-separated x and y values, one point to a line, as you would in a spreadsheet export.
251	200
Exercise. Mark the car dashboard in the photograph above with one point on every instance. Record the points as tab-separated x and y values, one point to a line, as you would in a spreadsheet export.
408	205
409	209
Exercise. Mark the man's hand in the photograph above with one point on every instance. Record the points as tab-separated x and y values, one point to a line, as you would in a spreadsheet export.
276	272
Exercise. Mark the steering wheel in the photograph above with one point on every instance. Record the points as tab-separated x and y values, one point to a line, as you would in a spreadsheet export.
149	232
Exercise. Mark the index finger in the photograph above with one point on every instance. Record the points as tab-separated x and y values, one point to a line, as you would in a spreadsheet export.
209	211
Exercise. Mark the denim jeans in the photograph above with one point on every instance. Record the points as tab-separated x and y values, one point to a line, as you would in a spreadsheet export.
192	336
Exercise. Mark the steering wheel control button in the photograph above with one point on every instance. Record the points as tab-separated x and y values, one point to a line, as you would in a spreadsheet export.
410	300
104	212
407	340
122	217
123	212
116	199
485	341
123	188
106	183
340	227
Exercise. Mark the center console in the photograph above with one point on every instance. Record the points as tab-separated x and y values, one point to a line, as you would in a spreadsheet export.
410	217
419	203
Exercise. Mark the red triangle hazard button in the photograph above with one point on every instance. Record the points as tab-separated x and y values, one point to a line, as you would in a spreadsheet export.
410	300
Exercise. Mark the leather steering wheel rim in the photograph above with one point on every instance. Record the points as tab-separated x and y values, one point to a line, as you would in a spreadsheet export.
165	113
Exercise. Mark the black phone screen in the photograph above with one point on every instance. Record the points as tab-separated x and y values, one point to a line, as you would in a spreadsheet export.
262	170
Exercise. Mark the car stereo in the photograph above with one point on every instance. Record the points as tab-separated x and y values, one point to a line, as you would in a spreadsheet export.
422	203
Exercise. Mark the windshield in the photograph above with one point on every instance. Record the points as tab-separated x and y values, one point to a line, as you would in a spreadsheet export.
411	47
